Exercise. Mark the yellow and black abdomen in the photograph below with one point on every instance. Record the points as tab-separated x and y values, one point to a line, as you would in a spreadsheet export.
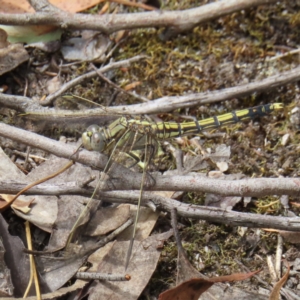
167	130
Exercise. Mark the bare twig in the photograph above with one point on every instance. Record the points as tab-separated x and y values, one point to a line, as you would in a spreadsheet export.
164	104
278	257
90	75
25	104
272	268
131	181
101	276
93	159
289	53
211	214
140	98
175	230
178	21
254	187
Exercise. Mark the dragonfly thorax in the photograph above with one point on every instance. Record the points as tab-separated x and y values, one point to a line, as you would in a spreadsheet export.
94	138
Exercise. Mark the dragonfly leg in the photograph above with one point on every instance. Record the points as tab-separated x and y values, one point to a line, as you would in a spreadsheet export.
135	154
149	179
136	159
149	151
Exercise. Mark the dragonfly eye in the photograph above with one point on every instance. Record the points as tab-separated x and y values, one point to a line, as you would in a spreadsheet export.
93	138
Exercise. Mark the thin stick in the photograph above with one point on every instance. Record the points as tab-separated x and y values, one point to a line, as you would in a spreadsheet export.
90	75
139	97
278	256
101	276
33	272
160	105
175	229
110	23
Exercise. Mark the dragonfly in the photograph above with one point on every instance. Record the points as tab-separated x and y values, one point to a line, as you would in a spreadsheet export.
128	135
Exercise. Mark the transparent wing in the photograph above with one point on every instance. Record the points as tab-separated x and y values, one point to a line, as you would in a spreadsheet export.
126	143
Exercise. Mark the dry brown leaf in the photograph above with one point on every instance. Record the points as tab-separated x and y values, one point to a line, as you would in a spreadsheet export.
96	258
3	39
108	219
16	260
75	6
20	204
22	6
63	212
146	222
296	204
289	236
275	294
193	288
185	270
8	170
11	57
143	263
14	7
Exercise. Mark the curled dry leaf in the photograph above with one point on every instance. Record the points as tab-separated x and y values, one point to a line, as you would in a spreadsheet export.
20	204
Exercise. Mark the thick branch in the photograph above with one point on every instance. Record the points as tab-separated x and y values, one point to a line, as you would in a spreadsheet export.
131	181
164	104
210	214
181	20
254	187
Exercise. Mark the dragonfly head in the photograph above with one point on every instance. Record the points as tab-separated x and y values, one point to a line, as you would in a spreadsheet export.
94	139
